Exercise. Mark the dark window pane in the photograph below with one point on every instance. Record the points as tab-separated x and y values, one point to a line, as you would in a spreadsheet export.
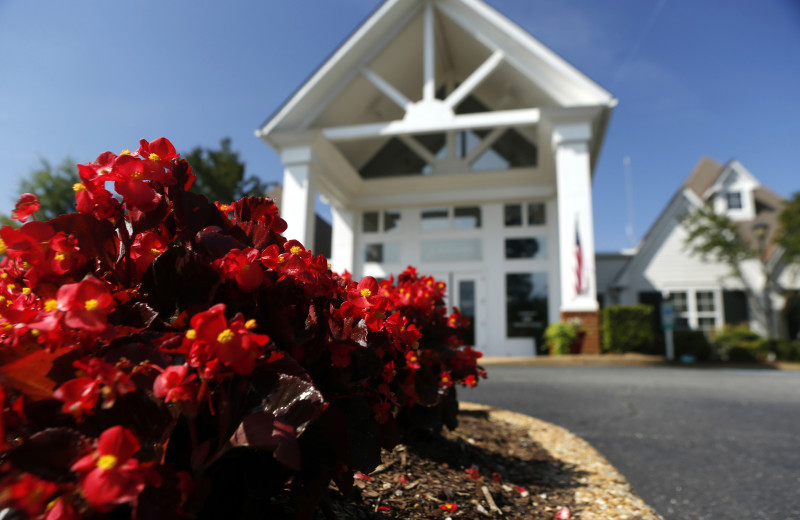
734	304
526	305
391	221
467	217
466	304
512	215
536	216
370	222
523	248
373	253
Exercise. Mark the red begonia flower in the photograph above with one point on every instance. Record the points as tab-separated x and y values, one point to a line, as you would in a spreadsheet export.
174	385
110	475
146	248
80	395
242	266
85	304
27	204
31	494
365	294
160	149
412	360
449	507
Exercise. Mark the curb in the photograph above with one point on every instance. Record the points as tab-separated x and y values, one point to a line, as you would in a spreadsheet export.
604	493
579	360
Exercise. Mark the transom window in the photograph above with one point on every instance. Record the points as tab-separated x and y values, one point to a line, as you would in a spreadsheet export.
457	218
529	214
376	221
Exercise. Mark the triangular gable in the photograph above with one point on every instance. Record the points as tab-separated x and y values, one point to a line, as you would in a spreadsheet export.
527	67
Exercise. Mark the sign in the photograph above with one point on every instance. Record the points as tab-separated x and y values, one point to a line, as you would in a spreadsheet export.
667	315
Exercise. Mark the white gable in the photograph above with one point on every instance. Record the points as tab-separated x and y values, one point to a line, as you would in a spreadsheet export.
733	192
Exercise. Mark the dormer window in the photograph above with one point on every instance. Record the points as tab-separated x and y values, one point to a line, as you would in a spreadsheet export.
734	199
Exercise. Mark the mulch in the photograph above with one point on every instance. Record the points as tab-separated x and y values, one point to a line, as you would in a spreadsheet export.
483	469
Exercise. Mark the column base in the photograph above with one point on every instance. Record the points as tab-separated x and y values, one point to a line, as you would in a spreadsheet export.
590	325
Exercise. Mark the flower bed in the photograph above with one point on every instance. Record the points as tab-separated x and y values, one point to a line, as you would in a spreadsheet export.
162	356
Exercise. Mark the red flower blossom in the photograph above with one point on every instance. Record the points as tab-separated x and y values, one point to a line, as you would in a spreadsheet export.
157	150
449	507
212	337
473	472
85	304
173	384
146	248
110	475
564	514
412	360
80	395
241	266
365	294
31	494
445	380
27	204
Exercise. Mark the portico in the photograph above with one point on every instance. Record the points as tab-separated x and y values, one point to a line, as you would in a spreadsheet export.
447	138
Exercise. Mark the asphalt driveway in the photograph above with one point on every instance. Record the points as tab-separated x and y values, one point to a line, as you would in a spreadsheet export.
696	444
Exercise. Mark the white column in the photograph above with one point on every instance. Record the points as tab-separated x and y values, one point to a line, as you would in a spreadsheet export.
343	238
299	194
575	222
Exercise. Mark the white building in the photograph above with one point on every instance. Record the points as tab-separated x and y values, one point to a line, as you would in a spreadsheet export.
447	138
704	293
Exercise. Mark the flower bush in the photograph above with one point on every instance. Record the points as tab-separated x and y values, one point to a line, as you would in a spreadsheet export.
162	356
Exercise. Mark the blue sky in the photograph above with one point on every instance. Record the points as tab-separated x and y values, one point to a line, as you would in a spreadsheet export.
716	77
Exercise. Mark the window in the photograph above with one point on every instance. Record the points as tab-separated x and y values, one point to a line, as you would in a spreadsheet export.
435	219
382	252
438	219
526	305
467	217
705	301
525	248
734	199
679	302
534	214
452	250
387	221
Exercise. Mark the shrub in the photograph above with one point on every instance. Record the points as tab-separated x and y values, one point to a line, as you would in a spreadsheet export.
627	328
692	343
560	336
787	350
193	357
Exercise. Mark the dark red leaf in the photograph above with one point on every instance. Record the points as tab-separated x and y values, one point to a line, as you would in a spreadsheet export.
49	454
96	237
263	430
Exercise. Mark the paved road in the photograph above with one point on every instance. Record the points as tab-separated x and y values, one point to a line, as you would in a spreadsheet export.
696	444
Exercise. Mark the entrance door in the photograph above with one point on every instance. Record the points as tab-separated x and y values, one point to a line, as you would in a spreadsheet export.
468	294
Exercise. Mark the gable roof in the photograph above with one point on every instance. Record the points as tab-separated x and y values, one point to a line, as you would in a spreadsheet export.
527	58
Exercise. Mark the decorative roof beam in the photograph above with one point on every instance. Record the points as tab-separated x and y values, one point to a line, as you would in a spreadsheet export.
418	149
429	85
520	117
474	79
485	143
387	88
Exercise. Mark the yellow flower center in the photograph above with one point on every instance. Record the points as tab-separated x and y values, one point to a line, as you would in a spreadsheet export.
10	286
223	207
91	305
50	305
281	259
60	257
225	336
78	186
366	293
2	247
250	324
26	291
125	152
296	250
4	276
154	157
154	251
191	334
136	175
107	462
7	326
35	332
245	268
26	265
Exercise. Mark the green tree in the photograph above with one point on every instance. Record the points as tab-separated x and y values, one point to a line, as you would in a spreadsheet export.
221	175
53	186
788	236
713	235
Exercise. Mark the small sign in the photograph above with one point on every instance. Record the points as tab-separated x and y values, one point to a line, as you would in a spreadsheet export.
667	315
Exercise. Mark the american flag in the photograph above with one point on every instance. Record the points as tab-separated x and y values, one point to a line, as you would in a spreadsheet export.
580	281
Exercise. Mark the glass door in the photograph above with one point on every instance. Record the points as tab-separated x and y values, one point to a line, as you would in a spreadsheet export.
468	295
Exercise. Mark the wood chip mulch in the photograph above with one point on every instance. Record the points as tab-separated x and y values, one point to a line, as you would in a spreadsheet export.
496	464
